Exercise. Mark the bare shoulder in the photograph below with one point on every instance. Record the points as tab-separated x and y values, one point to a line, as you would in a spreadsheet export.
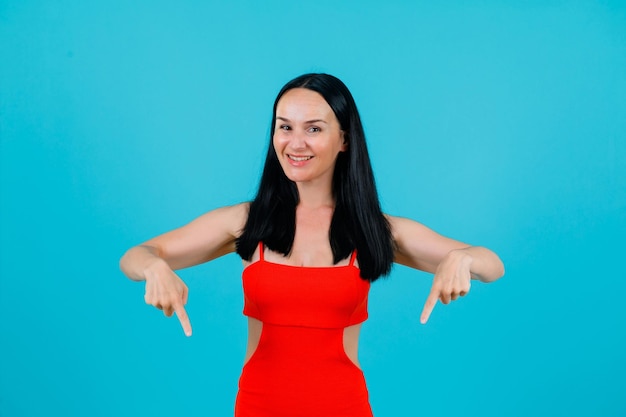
403	228
228	219
417	245
207	237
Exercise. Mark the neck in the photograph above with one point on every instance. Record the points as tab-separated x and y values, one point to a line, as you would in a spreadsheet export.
314	196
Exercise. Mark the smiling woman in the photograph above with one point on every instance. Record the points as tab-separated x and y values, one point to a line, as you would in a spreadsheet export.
312	241
307	137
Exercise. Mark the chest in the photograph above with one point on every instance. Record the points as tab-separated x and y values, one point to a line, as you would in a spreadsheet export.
327	297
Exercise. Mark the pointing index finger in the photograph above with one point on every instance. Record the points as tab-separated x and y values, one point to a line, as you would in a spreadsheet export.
431	301
183	319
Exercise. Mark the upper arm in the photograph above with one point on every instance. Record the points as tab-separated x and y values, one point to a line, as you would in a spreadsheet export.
419	247
209	236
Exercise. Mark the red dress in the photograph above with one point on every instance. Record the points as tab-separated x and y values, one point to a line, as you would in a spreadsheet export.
300	367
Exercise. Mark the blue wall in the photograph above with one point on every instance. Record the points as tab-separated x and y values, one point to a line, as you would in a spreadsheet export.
499	125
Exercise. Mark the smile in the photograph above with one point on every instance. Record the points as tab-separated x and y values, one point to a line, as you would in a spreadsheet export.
299	158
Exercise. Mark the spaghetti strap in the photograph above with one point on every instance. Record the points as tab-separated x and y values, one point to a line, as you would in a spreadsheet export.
353	257
261	257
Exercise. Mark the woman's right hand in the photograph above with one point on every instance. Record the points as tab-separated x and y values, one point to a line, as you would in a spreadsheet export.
166	291
208	237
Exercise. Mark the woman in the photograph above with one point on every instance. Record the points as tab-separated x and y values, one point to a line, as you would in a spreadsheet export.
312	241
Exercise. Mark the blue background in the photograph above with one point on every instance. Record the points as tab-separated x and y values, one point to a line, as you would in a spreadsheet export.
497	124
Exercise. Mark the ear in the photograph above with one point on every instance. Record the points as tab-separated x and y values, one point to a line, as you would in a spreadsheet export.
344	143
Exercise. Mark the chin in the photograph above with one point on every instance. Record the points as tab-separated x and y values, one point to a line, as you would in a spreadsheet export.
297	178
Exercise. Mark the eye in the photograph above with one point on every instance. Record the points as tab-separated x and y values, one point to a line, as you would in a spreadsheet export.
284	127
314	129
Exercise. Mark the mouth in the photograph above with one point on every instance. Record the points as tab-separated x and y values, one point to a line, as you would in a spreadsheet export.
299	158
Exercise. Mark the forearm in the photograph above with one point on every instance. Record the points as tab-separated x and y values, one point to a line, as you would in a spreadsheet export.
484	264
139	259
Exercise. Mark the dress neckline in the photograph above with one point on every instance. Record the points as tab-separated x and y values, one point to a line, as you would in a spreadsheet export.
262	260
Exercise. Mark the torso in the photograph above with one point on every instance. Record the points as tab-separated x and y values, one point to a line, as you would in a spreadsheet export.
350	340
311	248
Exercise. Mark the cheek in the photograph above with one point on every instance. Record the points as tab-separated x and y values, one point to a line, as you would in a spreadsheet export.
282	141
276	142
279	142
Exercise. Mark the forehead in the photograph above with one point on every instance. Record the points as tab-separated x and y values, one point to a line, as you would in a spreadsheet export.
303	104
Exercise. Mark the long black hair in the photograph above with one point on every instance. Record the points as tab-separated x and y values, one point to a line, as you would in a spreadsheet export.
357	222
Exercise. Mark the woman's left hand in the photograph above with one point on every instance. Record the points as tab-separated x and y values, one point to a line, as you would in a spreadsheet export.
452	280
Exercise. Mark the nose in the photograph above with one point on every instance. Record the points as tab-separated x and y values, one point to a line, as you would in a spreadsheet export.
298	140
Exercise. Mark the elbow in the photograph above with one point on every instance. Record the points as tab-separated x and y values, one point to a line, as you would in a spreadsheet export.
128	264
123	263
496	273
492	269
133	263
485	265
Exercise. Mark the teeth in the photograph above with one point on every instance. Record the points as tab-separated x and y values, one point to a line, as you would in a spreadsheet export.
300	158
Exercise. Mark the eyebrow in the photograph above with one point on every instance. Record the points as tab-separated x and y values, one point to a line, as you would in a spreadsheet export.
307	122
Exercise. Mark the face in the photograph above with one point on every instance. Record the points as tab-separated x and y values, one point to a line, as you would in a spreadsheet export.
307	137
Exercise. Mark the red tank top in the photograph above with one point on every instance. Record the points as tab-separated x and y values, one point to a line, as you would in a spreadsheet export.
300	368
322	297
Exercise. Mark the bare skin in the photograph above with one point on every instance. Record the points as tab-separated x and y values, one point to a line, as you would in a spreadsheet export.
307	141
